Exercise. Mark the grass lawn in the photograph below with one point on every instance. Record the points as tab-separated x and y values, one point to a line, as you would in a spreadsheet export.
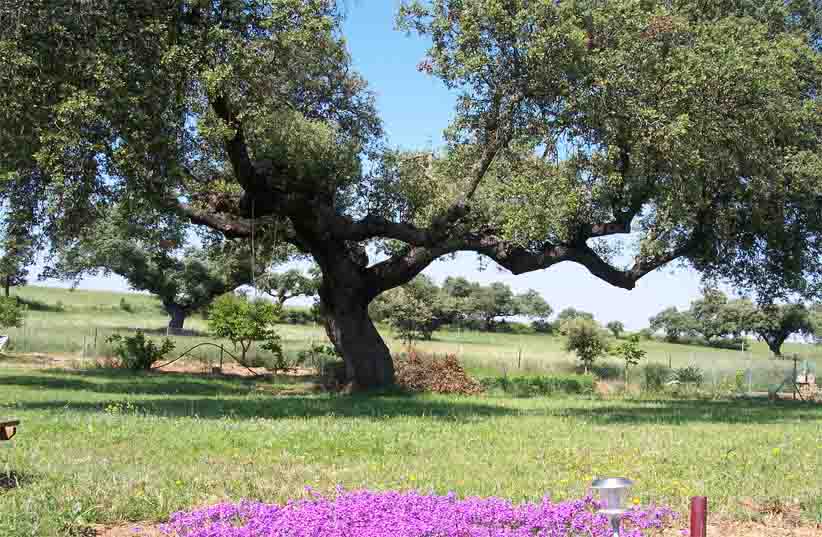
111	447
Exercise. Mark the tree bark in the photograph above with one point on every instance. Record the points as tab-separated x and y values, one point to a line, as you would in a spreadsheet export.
7	285
178	317
368	362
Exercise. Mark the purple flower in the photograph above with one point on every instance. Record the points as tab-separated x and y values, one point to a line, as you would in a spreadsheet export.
408	514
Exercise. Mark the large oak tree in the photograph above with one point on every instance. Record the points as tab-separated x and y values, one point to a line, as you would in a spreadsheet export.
691	128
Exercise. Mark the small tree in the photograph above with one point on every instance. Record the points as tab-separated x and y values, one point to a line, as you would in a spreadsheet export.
630	352
137	352
586	339
11	313
244	321
616	328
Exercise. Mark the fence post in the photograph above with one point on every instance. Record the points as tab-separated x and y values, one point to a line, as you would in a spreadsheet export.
221	357
699	516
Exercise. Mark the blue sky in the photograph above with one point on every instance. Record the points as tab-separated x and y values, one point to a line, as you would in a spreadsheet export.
415	109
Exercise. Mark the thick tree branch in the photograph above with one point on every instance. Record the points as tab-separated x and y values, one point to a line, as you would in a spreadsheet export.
236	146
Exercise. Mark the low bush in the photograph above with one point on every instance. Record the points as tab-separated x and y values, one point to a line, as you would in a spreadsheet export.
688	375
137	352
418	372
655	376
295	316
534	385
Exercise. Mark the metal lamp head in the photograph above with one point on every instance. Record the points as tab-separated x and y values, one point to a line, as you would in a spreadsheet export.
613	492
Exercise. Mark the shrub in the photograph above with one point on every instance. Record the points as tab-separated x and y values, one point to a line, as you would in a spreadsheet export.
586	339
533	385
688	375
243	322
544	327
656	376
137	352
11	313
422	373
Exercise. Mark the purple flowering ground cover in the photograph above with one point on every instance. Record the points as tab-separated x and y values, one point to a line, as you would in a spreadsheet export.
410	514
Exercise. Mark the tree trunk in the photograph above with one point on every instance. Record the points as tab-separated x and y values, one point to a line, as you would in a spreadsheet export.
367	359
178	317
7	285
776	346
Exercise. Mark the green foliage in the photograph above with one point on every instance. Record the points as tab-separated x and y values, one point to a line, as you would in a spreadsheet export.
410	312
616	328
585	338
630	352
775	323
138	352
283	286
673	323
12	313
569	314
243	321
538	385
655	376
688	375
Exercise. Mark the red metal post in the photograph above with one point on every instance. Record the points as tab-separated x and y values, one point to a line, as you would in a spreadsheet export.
699	516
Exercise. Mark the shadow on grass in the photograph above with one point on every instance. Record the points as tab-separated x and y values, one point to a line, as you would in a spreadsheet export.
12	480
684	411
128	382
354	406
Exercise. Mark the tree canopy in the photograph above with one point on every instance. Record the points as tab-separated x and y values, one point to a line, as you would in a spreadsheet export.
691	127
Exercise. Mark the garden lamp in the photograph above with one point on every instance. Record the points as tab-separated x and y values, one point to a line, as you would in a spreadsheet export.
613	492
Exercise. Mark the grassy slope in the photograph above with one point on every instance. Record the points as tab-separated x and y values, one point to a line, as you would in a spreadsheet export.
105	447
87	313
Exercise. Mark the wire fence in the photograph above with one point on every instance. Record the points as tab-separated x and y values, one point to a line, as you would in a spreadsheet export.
483	354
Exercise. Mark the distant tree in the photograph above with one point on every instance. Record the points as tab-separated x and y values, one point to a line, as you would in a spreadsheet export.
489	303
11	313
151	255
532	305
673	323
283	286
459	287
775	323
714	316
572	313
707	313
616	328
243	321
412	310
586	339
